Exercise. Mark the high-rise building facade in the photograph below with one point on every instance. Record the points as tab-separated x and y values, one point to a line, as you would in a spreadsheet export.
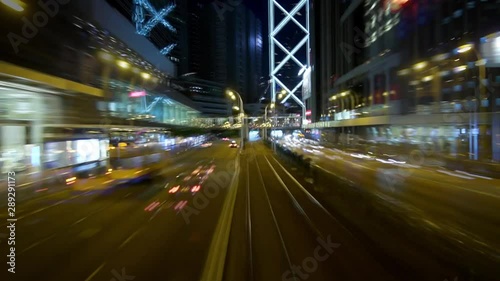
232	49
244	52
419	71
222	47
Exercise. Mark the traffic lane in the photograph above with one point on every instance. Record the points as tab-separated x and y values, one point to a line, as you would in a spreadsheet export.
383	238
238	265
39	191
463	194
350	254
400	202
353	252
465	203
453	211
57	214
97	228
438	174
456	210
270	254
300	239
44	201
93	237
175	243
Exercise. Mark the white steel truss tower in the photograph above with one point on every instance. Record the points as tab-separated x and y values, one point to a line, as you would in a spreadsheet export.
292	52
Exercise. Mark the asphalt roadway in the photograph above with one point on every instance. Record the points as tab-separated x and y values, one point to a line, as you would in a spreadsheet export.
128	232
458	211
280	221
282	229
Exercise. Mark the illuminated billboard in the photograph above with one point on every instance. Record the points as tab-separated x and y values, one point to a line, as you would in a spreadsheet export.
137	94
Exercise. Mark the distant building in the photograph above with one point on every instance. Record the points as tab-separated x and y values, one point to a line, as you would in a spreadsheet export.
209	97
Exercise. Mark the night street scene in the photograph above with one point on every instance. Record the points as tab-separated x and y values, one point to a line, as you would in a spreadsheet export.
250	140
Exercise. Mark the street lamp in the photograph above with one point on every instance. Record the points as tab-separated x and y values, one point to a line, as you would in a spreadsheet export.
13	4
233	95
265	118
464	48
265	110
272	105
420	65
123	64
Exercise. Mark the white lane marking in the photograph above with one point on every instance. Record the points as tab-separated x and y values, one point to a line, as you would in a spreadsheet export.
455	175
95	272
170	204
128	194
473	175
157	211
129	238
53	205
88	233
41	209
36	244
78	221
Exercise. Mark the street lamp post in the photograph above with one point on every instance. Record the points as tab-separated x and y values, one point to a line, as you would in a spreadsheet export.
281	95
233	95
265	119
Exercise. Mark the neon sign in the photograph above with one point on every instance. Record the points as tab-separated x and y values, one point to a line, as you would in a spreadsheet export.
137	94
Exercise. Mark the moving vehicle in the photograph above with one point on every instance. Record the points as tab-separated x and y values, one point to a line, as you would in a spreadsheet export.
184	186
233	144
136	155
207	144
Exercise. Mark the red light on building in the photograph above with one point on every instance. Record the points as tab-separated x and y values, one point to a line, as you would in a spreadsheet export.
137	94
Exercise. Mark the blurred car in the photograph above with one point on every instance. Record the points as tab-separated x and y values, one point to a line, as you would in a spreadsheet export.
225	139
184	185
207	144
233	144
